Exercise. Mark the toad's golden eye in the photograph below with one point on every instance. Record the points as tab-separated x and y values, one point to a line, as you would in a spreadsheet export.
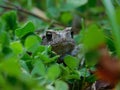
49	36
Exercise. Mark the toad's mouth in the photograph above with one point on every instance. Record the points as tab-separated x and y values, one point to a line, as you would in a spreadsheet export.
62	47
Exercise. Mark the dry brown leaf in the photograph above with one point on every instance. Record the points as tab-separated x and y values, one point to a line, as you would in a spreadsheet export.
108	68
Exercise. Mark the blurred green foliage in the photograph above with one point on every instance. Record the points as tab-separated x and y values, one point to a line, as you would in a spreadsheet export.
25	64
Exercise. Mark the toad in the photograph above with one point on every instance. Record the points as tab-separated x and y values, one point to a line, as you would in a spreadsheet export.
61	41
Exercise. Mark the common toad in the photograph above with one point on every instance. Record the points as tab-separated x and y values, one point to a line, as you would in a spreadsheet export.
61	41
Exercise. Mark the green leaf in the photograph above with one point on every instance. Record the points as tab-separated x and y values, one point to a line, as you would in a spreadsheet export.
115	27
71	62
16	47
93	37
32	43
39	68
66	18
0	47
24	65
6	50
2	81
91	79
4	39
54	12
39	24
2	25
53	8
68	74
24	30
73	76
26	57
53	72
40	49
11	20
76	3
11	66
46	58
72	4
117	87
65	71
117	15
91	58
45	54
84	72
60	85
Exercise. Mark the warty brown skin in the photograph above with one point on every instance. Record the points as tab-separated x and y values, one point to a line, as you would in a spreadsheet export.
61	41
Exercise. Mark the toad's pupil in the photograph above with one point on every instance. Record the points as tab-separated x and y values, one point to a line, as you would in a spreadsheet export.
49	36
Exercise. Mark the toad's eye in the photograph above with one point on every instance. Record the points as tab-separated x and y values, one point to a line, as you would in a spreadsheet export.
72	34
49	35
